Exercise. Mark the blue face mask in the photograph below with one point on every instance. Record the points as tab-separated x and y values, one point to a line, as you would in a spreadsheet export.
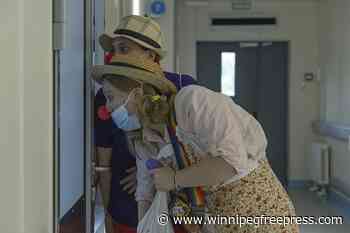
122	118
125	122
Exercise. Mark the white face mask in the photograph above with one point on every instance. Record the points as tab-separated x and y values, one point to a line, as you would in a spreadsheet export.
123	120
192	140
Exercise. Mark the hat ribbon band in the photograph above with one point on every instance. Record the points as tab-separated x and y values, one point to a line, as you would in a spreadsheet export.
139	36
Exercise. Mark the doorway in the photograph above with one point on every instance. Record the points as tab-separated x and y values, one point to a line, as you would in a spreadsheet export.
75	24
255	75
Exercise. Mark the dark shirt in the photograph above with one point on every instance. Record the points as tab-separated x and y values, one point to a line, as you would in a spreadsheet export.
122	206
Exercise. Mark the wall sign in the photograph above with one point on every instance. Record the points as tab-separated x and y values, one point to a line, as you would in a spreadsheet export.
157	8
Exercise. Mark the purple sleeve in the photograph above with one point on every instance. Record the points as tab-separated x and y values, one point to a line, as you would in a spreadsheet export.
180	81
188	80
103	132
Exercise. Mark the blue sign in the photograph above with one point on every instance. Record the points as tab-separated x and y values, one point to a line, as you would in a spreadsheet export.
158	8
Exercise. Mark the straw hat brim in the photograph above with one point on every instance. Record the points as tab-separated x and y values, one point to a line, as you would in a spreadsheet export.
106	43
99	73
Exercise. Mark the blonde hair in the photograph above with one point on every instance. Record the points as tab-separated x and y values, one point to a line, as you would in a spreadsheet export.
154	108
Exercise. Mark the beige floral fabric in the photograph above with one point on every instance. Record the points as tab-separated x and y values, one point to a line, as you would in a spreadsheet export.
258	194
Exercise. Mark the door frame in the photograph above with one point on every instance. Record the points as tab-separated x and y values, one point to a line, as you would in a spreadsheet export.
88	149
287	85
88	119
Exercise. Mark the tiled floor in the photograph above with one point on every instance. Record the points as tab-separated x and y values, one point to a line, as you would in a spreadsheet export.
307	204
74	220
99	219
99	215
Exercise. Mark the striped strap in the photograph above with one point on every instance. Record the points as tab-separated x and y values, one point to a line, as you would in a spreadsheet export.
195	195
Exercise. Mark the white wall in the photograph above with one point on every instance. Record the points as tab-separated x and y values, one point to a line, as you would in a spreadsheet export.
113	12
334	58
26	122
10	168
297	24
167	24
335	75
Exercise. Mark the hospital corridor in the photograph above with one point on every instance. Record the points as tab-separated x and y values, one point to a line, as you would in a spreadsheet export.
175	116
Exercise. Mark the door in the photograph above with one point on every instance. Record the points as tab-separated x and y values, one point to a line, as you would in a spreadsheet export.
273	103
256	74
212	58
72	59
71	105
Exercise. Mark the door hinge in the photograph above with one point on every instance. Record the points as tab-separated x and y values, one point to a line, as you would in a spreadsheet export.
59	18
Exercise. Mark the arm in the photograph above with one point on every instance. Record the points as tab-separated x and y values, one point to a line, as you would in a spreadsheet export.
103	141
180	80
188	80
103	132
208	172
104	156
103	169
215	125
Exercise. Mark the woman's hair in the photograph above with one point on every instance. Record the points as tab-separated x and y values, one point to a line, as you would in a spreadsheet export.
153	107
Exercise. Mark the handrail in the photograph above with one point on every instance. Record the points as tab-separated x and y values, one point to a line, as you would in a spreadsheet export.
332	129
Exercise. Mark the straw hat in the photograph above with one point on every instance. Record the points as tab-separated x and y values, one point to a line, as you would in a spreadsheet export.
123	68
142	30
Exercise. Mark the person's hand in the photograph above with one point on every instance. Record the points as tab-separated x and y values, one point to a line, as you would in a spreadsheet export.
130	182
164	178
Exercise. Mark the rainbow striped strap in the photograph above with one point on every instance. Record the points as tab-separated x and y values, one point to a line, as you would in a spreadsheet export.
195	195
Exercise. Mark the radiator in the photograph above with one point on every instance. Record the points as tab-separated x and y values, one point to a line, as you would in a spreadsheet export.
319	163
